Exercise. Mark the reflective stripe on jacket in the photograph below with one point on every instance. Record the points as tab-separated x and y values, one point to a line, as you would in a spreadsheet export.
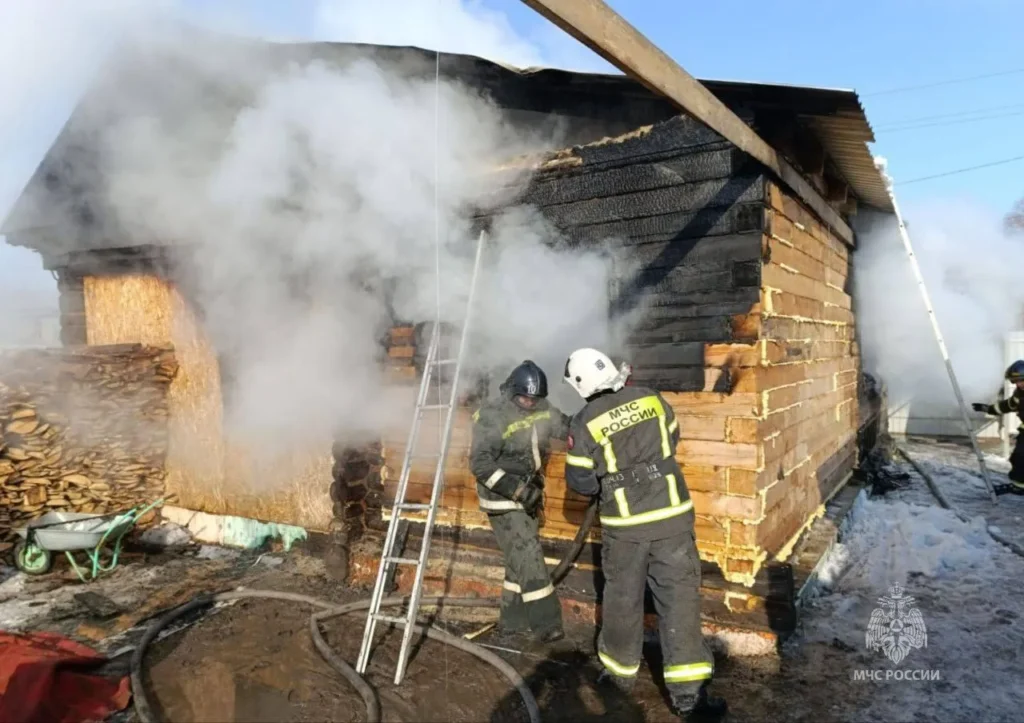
622	446
510	446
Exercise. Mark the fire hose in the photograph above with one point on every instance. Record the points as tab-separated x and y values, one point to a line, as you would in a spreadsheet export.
329	610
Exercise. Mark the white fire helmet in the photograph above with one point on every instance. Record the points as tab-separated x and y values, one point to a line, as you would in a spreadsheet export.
590	371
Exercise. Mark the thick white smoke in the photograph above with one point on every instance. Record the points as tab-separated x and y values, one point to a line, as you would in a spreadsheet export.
968	264
330	186
48	50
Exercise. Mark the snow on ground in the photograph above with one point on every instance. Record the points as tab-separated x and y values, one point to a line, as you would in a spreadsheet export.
968	588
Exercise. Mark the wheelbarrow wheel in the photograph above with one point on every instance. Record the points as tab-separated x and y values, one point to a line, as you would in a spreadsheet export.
32	560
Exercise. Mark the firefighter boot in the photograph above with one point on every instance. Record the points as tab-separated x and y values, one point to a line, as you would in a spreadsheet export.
699	706
552	642
624	684
1009	488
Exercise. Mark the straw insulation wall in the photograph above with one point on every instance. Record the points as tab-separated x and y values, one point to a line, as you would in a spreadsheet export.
206	470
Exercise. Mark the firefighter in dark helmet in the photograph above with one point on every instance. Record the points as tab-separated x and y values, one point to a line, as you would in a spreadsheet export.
1014	375
621	446
511	442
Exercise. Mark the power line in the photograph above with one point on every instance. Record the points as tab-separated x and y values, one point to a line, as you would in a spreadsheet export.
956	122
907	88
962	170
954	114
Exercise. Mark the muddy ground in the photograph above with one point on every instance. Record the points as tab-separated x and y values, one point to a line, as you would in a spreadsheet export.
253	660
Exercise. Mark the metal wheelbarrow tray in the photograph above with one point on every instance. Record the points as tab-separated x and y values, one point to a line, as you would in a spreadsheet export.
70	532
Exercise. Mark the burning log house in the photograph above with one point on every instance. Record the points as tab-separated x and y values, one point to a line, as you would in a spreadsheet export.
748	329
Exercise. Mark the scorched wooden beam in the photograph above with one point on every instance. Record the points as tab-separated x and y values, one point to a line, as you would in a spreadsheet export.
605	32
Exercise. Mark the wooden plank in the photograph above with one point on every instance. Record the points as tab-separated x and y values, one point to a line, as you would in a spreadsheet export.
718	193
783	278
781	201
714	404
780	329
670	137
683	280
738	380
785	255
643	173
705	479
708	223
701	428
675	331
795	443
605	32
654	302
787	396
793	351
670	377
646	252
782	230
780	303
780	375
732	355
743	430
820	407
690	354
728	507
720	454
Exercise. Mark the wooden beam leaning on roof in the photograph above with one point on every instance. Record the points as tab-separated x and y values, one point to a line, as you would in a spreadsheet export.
605	32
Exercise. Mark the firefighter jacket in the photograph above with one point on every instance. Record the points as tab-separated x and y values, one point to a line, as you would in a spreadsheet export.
1013	404
622	446
510	448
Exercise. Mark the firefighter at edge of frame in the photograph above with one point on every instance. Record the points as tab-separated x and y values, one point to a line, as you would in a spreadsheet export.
621	446
511	442
1014	375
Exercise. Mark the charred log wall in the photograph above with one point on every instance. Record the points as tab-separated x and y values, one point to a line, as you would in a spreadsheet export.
683	210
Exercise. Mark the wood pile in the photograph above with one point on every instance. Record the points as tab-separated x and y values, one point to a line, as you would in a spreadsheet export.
82	429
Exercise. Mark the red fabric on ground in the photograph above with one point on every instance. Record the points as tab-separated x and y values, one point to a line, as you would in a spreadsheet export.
44	678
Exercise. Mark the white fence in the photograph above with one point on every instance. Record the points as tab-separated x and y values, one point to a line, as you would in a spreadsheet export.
930	420
25	329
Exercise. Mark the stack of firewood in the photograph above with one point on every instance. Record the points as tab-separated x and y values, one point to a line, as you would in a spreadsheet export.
82	430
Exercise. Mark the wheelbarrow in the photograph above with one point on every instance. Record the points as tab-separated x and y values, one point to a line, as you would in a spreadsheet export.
71	532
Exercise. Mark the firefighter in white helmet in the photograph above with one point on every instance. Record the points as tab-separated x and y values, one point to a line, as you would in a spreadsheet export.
621	446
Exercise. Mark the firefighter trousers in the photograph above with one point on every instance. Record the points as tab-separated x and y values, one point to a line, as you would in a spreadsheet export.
671	567
1017	460
528	599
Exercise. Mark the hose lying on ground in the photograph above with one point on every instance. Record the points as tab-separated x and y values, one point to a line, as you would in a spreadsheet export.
937	494
330	610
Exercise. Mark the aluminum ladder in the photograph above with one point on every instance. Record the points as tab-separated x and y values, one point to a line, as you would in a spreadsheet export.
389	559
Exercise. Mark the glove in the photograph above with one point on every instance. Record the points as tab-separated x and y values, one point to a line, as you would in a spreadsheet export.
979	407
531	498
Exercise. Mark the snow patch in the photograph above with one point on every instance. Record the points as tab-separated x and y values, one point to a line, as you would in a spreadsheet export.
968	588
887	542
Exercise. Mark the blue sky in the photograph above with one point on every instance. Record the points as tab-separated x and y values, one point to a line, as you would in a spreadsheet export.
870	46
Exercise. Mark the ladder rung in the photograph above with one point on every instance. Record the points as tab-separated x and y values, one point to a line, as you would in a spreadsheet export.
439	362
390	619
425	407
403	560
413	506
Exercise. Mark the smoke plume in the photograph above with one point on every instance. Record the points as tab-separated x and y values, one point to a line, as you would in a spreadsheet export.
315	221
967	261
